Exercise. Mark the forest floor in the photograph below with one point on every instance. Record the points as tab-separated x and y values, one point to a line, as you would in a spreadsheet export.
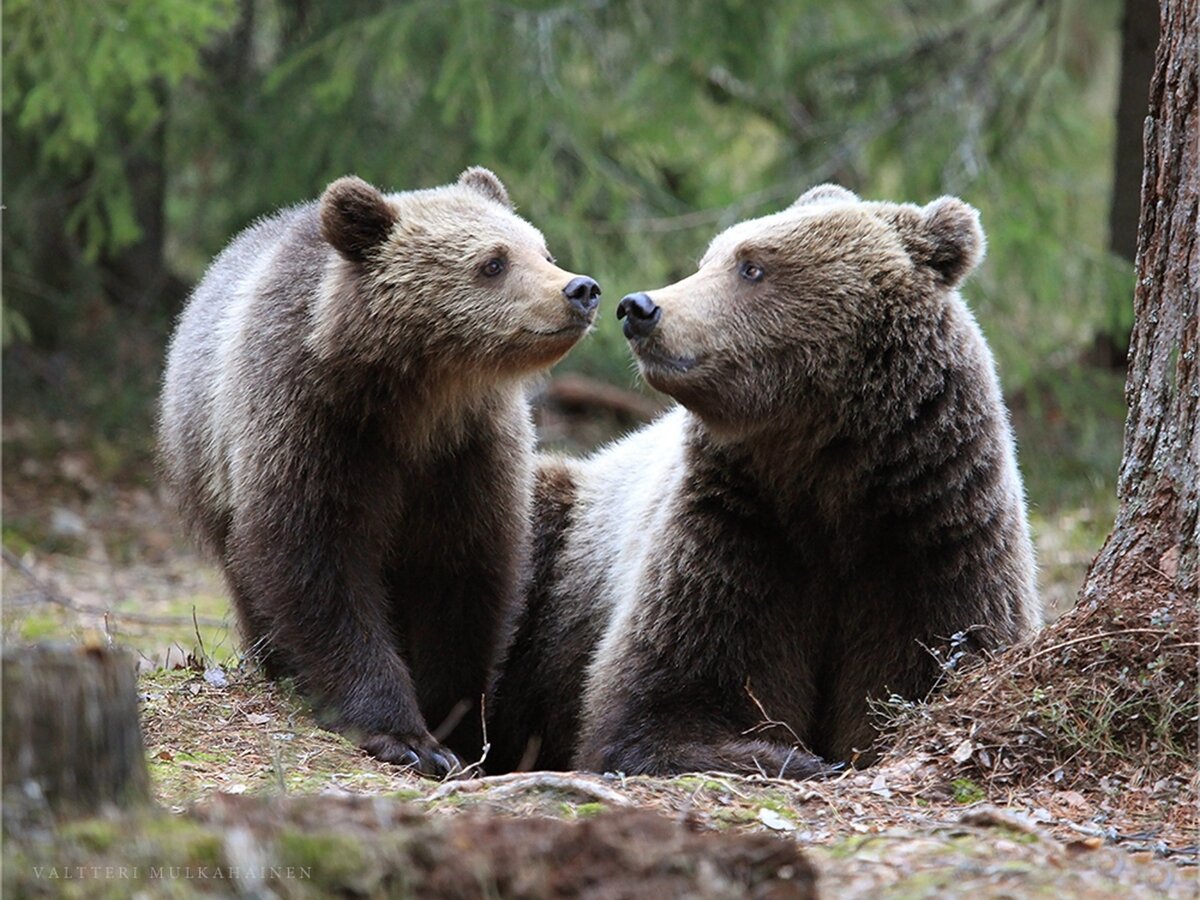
1050	771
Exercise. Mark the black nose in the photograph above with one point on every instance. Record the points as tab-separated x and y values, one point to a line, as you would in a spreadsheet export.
640	313
582	293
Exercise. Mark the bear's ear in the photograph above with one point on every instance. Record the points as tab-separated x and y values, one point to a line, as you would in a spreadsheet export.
952	239
355	217
477	178
826	193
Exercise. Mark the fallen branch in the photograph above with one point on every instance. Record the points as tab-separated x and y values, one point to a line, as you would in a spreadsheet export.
50	594
499	786
577	392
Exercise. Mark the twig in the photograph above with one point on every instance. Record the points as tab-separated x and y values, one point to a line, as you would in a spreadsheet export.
477	766
498	786
1079	640
199	640
48	593
768	722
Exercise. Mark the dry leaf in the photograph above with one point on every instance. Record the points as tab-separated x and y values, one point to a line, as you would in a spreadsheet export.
963	752
774	820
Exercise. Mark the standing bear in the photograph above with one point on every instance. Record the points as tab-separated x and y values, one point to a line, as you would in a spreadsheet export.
343	425
835	499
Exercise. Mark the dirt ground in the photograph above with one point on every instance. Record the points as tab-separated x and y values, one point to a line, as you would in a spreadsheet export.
1074	775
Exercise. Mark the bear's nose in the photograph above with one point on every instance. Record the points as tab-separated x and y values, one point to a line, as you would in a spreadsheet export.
583	293
640	313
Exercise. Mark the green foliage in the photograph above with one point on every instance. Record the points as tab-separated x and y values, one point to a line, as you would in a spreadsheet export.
14	327
629	132
632	132
86	79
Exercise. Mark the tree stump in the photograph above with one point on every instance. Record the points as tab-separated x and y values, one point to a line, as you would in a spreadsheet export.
72	740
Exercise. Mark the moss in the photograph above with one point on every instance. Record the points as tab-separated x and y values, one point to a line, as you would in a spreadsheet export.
337	863
777	802
735	815
92	834
847	846
581	810
204	849
174	838
453	800
967	791
699	782
405	794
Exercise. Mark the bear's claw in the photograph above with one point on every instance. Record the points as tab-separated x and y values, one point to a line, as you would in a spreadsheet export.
421	753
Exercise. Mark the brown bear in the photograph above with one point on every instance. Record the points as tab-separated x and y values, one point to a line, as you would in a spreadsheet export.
343	425
835	501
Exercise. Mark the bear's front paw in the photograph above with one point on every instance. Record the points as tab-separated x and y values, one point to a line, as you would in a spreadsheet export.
419	752
779	761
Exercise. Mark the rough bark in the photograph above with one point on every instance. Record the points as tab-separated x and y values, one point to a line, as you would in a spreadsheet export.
1154	539
71	735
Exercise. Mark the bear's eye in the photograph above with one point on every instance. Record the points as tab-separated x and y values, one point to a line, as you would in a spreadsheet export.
493	267
751	271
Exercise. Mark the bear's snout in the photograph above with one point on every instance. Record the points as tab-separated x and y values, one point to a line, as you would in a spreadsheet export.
640	313
583	294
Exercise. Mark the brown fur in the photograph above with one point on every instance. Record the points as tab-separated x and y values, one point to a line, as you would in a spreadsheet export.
837	497
344	426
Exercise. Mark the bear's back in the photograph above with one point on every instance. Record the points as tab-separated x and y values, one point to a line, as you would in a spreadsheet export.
269	270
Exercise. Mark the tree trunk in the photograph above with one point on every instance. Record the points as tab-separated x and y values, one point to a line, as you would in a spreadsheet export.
1154	539
71	735
137	278
1139	37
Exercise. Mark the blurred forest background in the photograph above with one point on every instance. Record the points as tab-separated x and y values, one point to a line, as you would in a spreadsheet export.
140	135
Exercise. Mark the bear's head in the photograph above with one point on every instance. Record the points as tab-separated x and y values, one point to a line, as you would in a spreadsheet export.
447	277
788	311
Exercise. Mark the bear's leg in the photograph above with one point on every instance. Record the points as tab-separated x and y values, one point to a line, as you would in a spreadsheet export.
256	630
533	707
451	643
535	704
321	599
888	662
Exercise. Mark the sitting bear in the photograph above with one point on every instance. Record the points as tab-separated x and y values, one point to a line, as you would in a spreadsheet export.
835	498
343	425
